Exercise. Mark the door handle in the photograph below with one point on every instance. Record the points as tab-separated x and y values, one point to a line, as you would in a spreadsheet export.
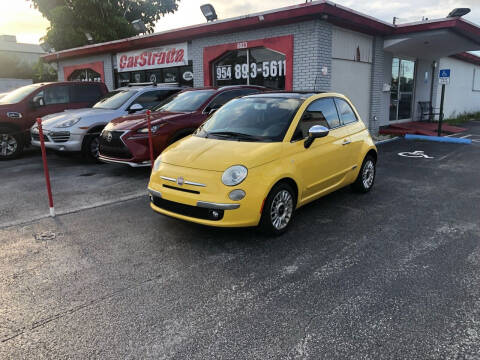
346	142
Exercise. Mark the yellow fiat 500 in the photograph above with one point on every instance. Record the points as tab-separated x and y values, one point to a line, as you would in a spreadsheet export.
260	157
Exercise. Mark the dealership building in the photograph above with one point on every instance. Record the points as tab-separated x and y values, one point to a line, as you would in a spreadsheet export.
386	69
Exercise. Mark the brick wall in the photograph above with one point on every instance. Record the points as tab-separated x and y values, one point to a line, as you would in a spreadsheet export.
312	51
107	67
379	100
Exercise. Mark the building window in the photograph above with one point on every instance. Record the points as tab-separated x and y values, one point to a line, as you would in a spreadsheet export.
255	66
85	75
182	75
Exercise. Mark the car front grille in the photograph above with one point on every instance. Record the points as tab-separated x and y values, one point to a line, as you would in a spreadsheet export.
36	137
60	137
187	210
111	145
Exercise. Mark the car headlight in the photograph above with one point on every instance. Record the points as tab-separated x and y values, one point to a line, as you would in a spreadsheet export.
154	128
234	175
68	123
157	163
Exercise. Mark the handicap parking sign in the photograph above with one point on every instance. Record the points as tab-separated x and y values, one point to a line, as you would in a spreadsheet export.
444	76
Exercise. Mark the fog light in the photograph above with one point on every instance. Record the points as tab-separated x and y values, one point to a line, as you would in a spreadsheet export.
236	195
215	214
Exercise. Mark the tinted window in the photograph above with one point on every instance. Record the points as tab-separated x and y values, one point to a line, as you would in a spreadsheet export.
57	94
345	111
152	98
115	99
320	112
85	93
226	96
186	101
252	118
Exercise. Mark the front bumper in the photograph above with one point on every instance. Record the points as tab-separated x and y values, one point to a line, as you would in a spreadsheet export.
208	204
109	160
59	140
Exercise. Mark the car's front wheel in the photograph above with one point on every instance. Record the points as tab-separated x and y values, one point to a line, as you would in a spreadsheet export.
277	213
11	144
366	176
91	146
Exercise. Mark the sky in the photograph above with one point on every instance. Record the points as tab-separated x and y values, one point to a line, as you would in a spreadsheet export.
18	18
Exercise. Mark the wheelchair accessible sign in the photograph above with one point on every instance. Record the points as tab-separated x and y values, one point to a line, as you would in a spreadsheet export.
444	76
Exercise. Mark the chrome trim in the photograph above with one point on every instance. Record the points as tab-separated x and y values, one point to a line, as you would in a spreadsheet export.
169	179
185	182
216	206
154	192
132	164
195	183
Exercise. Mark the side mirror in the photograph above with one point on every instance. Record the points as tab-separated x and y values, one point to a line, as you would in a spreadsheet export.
134	108
315	132
213	109
38	101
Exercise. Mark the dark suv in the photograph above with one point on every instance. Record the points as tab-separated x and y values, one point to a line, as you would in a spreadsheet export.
19	109
125	139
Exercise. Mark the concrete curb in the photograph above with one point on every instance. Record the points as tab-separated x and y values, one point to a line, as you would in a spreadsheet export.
387	140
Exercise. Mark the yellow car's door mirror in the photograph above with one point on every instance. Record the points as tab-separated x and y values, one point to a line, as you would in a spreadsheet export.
315	132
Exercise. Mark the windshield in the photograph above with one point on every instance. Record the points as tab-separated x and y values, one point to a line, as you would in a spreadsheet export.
187	101
18	95
114	99
252	119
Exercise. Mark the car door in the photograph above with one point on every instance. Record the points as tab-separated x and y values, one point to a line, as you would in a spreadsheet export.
352	128
320	167
51	99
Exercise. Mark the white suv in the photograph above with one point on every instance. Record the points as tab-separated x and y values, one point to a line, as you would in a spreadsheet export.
79	130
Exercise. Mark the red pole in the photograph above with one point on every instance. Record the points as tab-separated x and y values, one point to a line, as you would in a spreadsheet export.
45	167
150	141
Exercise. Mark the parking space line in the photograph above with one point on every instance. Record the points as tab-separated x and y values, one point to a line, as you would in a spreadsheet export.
74	210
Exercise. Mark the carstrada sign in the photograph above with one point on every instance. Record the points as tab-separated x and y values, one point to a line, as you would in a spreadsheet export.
154	58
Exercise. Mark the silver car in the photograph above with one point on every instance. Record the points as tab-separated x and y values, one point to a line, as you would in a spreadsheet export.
79	130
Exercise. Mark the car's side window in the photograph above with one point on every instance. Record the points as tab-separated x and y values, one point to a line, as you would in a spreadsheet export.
225	97
150	99
320	112
345	111
85	93
56	94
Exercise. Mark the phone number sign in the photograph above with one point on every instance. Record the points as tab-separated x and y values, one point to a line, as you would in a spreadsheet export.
264	69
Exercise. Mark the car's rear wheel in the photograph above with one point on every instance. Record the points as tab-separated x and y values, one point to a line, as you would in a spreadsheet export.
90	149
11	144
366	175
277	213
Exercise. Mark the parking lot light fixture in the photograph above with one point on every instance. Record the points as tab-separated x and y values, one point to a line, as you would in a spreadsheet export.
458	12
209	12
139	26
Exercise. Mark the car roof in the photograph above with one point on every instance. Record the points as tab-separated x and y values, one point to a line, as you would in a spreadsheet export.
302	95
227	87
152	87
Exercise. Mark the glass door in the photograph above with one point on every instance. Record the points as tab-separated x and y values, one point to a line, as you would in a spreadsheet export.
401	92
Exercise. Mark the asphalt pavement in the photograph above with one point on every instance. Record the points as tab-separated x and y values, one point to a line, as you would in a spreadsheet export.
393	274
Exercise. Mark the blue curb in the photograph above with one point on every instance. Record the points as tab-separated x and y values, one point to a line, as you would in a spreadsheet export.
438	139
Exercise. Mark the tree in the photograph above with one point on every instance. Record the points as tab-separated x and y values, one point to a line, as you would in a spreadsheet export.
104	20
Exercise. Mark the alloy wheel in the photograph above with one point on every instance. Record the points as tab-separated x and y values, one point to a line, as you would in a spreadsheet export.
8	145
368	174
281	210
95	147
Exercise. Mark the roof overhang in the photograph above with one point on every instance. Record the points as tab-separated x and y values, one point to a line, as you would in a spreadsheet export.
398	37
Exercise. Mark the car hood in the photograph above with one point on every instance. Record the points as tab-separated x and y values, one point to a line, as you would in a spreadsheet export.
100	114
138	121
218	155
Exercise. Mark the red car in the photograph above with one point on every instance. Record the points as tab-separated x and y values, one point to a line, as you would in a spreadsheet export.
125	139
20	108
